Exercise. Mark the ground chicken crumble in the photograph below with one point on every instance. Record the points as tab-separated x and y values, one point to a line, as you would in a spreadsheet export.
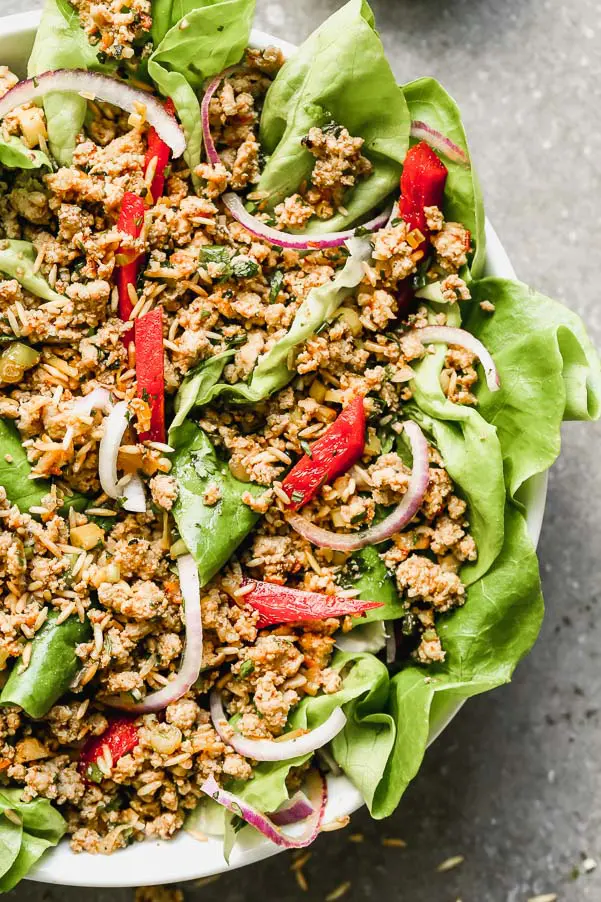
124	585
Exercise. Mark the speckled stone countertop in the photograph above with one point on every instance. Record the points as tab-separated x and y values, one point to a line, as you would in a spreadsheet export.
514	784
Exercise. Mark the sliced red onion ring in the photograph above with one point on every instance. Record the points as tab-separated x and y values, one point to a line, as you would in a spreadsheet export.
398	519
267	749
294	810
98	399
250	222
462	339
297	242
318	788
437	141
134	496
192	658
114	428
109	90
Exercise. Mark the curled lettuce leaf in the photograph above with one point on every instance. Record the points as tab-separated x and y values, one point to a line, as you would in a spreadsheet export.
211	532
549	372
21	846
484	641
429	102
61	43
212	37
15	155
17	259
339	74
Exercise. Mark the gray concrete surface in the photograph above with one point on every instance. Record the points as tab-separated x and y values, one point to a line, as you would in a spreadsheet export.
514	784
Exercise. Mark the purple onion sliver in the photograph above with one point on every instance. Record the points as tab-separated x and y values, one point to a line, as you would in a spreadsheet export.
395	522
262	823
296	809
268	749
437	141
462	339
110	90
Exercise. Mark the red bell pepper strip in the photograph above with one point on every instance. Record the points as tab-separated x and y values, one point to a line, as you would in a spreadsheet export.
334	453
120	737
131	220
422	185
150	374
278	604
157	148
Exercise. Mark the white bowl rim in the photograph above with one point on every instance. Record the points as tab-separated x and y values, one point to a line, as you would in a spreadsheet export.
184	858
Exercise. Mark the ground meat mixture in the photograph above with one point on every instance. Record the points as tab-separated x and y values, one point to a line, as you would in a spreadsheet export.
220	289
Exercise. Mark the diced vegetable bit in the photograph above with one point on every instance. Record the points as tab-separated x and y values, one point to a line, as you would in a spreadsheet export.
150	371
131	221
276	285
15	360
30	749
333	454
87	537
119	738
157	149
280	604
422	185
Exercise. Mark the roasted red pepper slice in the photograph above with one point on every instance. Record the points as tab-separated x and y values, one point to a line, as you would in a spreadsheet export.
131	220
150	373
157	148
120	737
334	453
422	185
278	604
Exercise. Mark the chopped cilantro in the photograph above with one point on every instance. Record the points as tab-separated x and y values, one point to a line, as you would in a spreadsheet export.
306	448
276	285
213	253
244	268
297	497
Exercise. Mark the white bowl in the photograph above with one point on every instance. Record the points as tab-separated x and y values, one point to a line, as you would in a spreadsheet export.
184	858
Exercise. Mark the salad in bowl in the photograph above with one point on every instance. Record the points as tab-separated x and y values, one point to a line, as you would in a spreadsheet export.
266	429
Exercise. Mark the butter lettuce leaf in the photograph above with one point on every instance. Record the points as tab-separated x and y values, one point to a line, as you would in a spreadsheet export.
484	641
61	43
339	74
14	154
549	372
42	827
211	532
429	102
213	37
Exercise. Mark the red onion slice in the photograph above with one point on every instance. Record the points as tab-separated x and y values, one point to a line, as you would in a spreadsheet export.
114	428
462	339
267	749
396	521
98	399
318	787
437	141
250	222
192	658
294	810
288	239
101	87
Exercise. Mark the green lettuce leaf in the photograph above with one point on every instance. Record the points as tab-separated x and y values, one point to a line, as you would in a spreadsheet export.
484	641
362	748
52	667
211	533
17	260
61	43
271	372
215	36
472	456
198	383
11	836
549	372
15	155
429	102
366	572
339	74
42	827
